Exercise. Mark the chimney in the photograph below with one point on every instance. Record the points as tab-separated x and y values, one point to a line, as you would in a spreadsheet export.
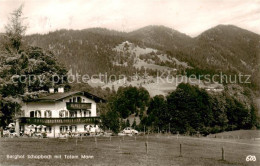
61	90
51	90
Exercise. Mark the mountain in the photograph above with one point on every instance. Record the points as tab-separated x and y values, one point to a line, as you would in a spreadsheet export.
228	47
161	37
225	48
86	51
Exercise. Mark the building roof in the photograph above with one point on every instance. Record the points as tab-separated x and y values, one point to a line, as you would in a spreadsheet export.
59	96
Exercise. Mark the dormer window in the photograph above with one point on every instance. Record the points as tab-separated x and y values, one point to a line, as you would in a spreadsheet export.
79	99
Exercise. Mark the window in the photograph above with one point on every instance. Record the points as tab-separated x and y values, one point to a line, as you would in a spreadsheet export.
48	129
86	127
73	114
66	114
61	114
73	128
47	114
63	129
32	114
79	99
74	99
38	113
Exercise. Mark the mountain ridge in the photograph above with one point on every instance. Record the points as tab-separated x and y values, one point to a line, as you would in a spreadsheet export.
224	48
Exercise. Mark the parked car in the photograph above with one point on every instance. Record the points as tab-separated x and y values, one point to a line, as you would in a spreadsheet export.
129	130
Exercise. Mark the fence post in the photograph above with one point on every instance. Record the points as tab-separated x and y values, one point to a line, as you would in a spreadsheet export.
223	153
119	144
76	141
146	147
169	128
96	141
180	150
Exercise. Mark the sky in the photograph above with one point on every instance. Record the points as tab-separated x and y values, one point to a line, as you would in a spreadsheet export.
191	17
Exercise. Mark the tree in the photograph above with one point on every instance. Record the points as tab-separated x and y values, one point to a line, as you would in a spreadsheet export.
219	109
9	108
134	124
122	124
111	120
189	108
18	65
253	114
238	115
130	100
157	113
127	123
15	29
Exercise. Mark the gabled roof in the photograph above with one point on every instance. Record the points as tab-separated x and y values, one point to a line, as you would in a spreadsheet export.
59	96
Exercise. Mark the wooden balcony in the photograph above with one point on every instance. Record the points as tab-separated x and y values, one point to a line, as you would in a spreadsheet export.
50	121
78	106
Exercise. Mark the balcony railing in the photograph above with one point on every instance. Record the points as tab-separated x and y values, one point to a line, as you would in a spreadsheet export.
46	121
77	106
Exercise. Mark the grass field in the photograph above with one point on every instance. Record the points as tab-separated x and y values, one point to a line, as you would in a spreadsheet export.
162	150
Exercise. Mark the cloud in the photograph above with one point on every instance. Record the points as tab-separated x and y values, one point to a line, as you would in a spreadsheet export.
188	16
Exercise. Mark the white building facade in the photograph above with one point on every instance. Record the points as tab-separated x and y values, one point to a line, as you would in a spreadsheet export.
59	113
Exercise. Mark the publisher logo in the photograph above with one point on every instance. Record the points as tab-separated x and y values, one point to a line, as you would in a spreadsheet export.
250	158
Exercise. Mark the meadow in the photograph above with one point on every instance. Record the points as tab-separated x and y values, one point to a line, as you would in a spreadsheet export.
131	150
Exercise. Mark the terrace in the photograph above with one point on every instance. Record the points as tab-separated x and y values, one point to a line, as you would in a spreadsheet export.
49	121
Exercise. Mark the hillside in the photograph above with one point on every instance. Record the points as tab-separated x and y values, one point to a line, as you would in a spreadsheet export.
218	46
161	37
229	47
224	48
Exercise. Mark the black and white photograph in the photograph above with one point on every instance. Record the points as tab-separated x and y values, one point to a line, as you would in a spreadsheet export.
129	82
